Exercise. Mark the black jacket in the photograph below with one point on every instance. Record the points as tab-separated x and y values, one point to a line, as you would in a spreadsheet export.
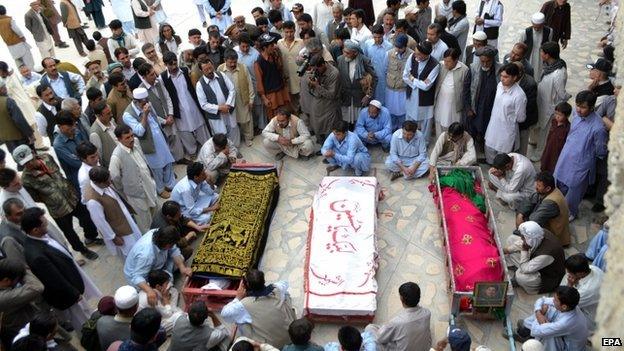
61	279
173	93
450	41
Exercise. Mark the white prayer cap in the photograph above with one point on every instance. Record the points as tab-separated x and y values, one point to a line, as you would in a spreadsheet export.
532	345
126	297
375	103
139	93
538	18
479	35
2	82
482	348
532	232
410	9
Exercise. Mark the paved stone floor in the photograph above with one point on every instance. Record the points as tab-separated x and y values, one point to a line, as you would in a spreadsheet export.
409	237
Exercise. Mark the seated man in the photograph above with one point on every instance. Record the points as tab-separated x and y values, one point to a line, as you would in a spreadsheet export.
350	339
512	177
192	332
343	148
598	247
145	332
287	134
166	296
171	214
557	322
410	329
587	279
195	194
156	250
548	207
457	339
117	327
300	331
218	154
538	257
374	125
408	153
454	147
262	312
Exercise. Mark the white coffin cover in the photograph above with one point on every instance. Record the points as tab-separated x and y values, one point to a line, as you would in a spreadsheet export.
342	256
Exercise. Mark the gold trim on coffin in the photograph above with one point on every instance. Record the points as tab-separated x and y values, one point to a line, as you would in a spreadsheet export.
231	243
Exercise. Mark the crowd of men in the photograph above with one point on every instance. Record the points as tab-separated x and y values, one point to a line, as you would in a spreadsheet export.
331	81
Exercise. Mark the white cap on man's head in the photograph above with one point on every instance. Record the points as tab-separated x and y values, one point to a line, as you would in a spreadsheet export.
126	297
375	103
538	18
479	35
139	93
532	345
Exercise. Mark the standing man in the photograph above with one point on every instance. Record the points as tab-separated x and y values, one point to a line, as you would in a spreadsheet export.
71	21
290	47
359	31
220	13
424	17
408	153
551	91
146	125
132	177
483	86
286	134
519	54
102	132
217	98
420	74
160	102
40	28
452	89
502	134
557	17
489	18
270	77
15	40
245	93
458	25
67	139
15	130
438	46
395	86
121	38
43	180
324	84
64	84
94	7
110	213
120	96
50	12
534	37
67	288
187	112
358	81
46	113
586	142
376	49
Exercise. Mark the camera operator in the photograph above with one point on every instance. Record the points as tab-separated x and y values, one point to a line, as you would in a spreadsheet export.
324	85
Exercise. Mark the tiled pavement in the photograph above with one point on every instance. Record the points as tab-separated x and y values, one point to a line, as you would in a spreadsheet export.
409	237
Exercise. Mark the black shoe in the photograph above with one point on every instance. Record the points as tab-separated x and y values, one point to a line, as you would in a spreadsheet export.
395	175
280	155
598	208
319	153
62	45
330	169
88	254
325	161
94	242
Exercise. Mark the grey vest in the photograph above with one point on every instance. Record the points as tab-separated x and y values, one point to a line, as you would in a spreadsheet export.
108	143
270	319
130	182
147	140
187	337
211	97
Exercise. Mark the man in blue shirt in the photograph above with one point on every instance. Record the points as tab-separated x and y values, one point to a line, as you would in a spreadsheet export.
586	143
195	195
374	125
408	153
65	142
343	149
155	250
350	338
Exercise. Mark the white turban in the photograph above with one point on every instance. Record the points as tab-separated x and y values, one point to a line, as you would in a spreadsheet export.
532	345
538	18
532	232
410	9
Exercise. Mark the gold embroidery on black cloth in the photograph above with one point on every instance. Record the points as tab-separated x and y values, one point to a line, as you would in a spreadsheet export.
231	244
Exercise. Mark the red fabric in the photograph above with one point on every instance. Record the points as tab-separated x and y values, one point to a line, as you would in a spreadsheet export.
474	255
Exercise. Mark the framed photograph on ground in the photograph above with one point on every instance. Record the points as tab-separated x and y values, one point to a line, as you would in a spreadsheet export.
490	294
